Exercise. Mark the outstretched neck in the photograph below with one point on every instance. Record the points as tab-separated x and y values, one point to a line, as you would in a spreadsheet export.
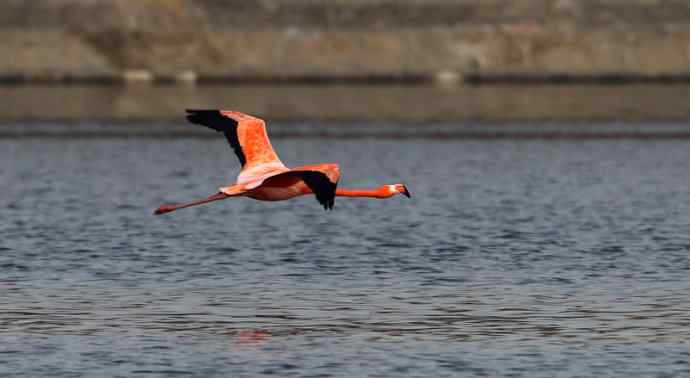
382	192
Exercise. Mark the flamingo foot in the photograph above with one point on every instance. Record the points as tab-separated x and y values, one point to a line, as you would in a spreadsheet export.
162	209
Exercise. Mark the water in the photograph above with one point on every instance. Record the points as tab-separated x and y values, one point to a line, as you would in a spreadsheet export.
513	258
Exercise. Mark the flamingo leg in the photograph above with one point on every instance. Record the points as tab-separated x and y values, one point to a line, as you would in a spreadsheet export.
162	209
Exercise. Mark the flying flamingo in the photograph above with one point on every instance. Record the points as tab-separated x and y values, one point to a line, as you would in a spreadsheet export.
263	176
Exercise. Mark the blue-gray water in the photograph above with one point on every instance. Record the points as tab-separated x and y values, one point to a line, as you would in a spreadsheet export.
513	258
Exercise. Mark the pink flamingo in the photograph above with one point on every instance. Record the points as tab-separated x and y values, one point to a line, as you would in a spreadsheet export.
263	176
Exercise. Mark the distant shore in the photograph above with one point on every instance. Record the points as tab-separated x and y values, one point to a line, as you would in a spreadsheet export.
308	42
390	60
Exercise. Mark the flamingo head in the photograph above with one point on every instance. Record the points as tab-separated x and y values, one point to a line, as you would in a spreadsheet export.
399	188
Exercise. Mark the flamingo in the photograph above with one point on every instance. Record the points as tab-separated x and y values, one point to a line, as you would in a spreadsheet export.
263	176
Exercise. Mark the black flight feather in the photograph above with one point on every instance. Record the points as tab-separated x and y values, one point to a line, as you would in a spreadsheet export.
213	119
320	184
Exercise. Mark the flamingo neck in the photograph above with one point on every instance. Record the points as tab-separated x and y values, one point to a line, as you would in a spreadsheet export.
382	192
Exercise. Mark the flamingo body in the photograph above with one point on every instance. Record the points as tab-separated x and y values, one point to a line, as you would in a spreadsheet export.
286	184
263	176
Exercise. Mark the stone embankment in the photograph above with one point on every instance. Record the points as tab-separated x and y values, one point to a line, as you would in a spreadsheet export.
49	41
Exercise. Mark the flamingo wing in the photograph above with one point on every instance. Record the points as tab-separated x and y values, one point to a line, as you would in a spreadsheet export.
322	180
246	135
318	182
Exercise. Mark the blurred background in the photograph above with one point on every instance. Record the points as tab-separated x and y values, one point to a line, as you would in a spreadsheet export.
545	144
406	60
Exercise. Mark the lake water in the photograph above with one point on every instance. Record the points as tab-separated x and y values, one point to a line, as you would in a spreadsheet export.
513	258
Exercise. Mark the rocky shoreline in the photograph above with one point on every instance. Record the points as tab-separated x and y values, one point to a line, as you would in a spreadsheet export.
309	41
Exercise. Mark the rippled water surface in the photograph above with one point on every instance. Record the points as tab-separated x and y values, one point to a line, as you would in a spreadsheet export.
521	258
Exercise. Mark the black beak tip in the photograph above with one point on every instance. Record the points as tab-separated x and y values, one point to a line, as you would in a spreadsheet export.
406	192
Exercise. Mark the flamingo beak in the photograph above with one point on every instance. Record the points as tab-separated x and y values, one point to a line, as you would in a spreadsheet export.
406	192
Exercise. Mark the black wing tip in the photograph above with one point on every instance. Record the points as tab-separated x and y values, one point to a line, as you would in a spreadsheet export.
328	204
214	119
211	118
321	185
199	116
202	114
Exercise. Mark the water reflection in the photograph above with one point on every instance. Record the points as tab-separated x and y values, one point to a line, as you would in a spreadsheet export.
348	102
564	319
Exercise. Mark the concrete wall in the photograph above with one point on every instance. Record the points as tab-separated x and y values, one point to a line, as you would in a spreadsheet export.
51	39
